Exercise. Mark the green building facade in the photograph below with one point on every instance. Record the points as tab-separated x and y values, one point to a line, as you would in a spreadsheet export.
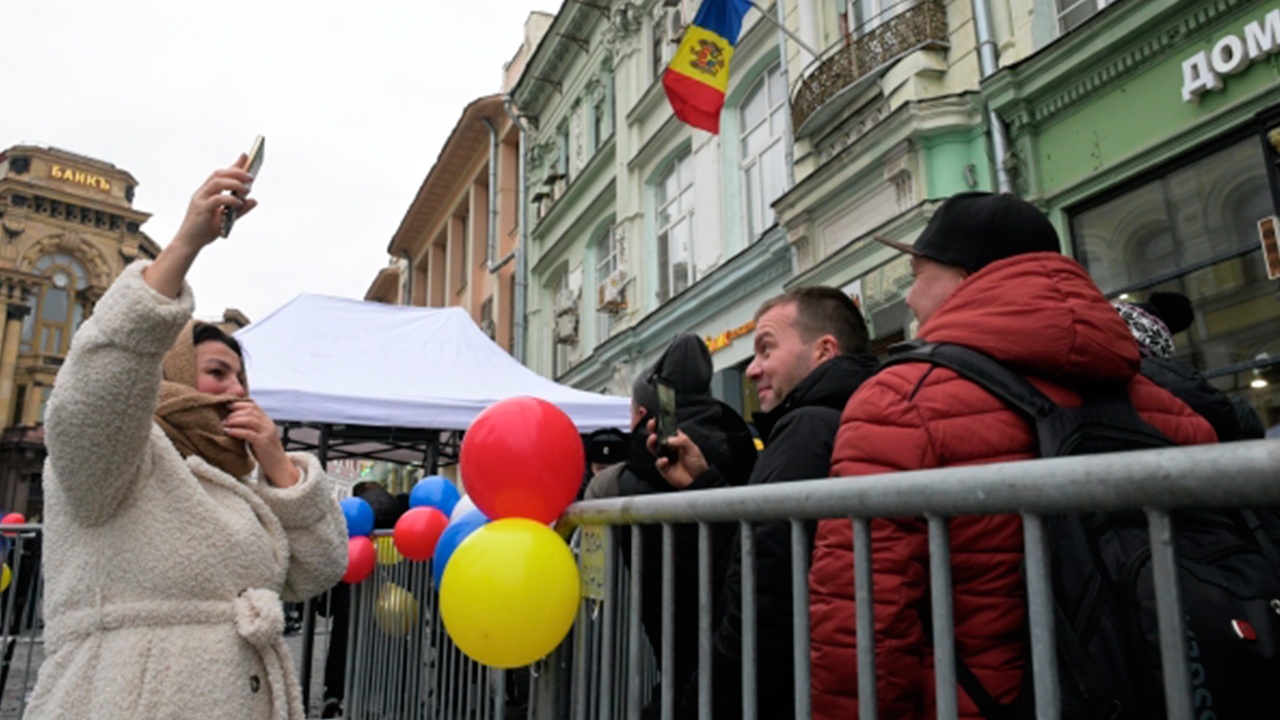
1149	136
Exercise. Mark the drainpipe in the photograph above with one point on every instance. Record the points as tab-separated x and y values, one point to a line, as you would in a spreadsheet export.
492	240
988	64
518	322
408	278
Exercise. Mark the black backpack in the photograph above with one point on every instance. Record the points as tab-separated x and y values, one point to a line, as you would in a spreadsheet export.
1100	564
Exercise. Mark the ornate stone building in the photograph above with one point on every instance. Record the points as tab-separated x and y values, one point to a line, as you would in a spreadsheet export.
67	229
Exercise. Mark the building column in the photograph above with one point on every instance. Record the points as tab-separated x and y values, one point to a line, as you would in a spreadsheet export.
9	358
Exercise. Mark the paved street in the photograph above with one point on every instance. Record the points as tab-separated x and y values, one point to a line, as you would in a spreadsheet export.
19	675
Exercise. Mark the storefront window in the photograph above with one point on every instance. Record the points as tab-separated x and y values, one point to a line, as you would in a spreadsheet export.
1193	230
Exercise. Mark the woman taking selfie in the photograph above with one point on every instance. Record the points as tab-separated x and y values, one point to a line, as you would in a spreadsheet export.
166	555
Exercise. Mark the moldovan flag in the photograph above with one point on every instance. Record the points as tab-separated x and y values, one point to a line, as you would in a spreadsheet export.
698	75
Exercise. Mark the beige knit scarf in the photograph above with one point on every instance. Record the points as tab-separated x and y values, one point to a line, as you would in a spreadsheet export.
192	419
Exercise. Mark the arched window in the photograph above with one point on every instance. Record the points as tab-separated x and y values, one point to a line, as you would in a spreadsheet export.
58	308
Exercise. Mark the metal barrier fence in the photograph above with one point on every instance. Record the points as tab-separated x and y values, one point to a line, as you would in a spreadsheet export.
1154	481
20	619
400	663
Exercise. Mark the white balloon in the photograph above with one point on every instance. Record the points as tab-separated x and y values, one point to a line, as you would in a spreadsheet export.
464	506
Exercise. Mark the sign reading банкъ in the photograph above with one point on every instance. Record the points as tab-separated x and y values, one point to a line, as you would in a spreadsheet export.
1232	55
79	177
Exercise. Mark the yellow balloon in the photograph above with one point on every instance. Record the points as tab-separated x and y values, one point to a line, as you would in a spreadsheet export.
6	577
387	552
396	610
509	593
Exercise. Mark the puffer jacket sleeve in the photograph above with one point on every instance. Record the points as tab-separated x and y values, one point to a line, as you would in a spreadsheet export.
99	417
880	432
313	523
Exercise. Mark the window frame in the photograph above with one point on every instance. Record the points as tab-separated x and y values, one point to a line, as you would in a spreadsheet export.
681	165
758	210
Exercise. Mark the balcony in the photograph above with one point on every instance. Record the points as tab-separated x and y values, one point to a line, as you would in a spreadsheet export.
845	69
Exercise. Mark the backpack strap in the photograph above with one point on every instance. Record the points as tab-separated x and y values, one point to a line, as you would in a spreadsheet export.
972	365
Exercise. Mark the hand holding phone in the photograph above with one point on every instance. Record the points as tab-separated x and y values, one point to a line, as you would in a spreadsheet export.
256	155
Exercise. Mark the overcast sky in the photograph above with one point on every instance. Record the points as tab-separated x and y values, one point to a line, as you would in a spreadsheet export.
355	98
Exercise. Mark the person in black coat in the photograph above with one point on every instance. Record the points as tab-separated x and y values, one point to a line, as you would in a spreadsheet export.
731	454
1153	324
810	356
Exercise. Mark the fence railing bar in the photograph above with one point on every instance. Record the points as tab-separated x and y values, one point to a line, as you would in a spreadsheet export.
866	618
800	616
704	621
1173	638
633	626
1041	618
606	643
748	634
351	693
944	649
580	661
667	665
1165	478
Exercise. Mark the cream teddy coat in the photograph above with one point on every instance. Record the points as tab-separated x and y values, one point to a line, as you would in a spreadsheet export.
164	576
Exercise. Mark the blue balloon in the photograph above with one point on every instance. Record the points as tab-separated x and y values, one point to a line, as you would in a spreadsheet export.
453	535
434	491
359	516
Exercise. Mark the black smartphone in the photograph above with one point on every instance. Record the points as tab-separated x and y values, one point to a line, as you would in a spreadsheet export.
666	421
257	154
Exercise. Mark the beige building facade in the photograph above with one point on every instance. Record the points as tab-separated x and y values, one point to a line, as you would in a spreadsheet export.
67	229
456	246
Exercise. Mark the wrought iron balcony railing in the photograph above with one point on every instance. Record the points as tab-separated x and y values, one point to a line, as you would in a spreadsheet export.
847	65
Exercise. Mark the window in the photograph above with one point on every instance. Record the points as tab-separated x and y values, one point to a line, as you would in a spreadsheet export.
611	259
58	308
562	141
764	122
599	120
660	49
1073	13
565	326
675	224
870	14
1193	230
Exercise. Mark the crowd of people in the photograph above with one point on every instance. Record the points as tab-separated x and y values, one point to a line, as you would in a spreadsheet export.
176	523
989	276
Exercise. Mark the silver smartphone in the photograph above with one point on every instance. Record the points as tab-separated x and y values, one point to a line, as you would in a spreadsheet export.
256	155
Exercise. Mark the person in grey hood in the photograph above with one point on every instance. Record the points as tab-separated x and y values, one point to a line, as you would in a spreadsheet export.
810	356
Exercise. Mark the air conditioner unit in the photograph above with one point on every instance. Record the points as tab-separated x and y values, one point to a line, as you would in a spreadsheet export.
566	301
566	328
612	292
488	327
675	23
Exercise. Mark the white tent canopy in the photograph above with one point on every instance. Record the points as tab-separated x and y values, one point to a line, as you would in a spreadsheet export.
329	360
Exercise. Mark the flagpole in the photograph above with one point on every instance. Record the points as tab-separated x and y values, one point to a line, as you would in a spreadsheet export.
795	38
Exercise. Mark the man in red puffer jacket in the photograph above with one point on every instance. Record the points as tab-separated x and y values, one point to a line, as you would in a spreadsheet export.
989	276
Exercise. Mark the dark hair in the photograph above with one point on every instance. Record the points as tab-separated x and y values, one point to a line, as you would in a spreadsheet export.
204	332
822	310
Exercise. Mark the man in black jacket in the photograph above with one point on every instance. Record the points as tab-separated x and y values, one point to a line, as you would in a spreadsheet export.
810	356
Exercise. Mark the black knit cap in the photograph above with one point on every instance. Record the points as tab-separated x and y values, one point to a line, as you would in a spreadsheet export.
974	229
1173	309
606	446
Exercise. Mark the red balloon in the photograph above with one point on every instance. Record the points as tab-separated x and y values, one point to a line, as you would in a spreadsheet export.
418	531
522	457
361	557
13	518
